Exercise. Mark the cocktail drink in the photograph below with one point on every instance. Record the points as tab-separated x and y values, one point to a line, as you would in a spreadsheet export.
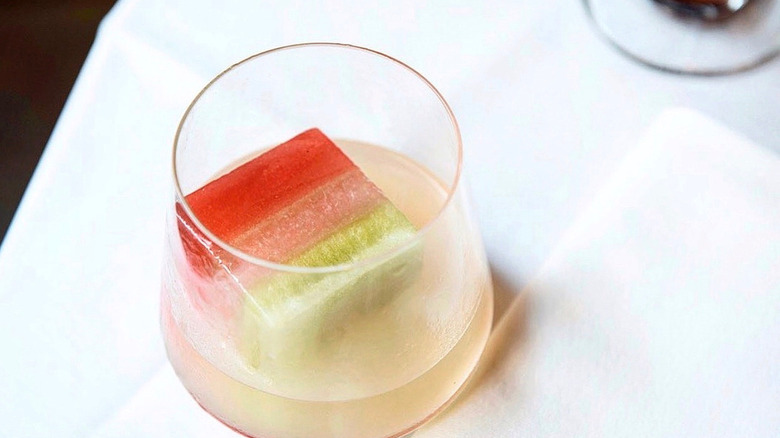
323	275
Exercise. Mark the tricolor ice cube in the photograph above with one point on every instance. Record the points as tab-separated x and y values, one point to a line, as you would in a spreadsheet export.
303	203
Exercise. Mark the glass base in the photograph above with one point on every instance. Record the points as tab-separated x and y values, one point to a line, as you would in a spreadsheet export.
408	433
691	38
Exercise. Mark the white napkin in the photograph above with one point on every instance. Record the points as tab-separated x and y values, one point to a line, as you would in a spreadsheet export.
658	314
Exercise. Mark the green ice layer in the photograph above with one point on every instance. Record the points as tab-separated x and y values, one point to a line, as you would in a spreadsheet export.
290	317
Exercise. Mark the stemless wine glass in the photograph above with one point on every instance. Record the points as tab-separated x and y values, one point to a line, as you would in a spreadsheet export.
702	37
371	348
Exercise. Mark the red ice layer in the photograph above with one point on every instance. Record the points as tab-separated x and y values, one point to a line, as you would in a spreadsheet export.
237	201
300	225
274	207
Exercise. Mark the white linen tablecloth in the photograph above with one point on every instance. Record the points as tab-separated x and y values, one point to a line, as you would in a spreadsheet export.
549	114
657	315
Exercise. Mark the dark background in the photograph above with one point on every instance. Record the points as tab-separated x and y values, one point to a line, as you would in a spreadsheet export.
43	44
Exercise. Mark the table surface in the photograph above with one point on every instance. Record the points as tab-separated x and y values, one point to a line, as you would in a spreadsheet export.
547	110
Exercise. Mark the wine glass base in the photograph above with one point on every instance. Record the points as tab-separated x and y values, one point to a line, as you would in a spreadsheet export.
687	39
704	10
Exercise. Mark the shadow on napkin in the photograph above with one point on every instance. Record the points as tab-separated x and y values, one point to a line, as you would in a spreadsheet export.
658	313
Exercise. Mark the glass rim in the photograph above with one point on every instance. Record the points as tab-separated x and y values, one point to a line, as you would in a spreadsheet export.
375	259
